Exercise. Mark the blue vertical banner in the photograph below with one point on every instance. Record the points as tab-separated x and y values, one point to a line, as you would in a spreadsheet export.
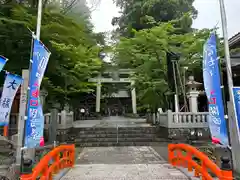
212	86
35	118
3	61
236	95
10	87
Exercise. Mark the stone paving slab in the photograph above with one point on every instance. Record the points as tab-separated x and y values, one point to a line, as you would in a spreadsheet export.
124	172
122	163
119	155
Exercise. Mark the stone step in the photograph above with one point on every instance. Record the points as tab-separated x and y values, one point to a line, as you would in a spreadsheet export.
107	144
121	135
132	139
119	127
6	145
3	171
115	130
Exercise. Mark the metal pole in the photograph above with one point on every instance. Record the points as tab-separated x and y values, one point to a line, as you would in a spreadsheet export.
30	153
176	88
23	103
233	138
182	86
39	19
184	83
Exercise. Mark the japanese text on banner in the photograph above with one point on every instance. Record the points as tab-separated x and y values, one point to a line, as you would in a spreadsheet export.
212	85
35	120
10	87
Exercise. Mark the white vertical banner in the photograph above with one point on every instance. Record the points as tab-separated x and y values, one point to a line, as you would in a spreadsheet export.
11	85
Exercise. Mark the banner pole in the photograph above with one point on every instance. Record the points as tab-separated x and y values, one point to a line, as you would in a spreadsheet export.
176	100
30	152
223	92
39	19
233	138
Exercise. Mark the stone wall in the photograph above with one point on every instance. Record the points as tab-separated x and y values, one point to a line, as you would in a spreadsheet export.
64	125
182	125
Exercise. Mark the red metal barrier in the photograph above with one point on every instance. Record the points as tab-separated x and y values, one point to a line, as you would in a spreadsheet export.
182	155
59	158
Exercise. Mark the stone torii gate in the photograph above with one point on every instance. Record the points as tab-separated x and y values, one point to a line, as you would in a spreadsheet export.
115	79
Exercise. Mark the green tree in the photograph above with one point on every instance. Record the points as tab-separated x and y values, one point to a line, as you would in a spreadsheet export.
142	14
146	54
74	48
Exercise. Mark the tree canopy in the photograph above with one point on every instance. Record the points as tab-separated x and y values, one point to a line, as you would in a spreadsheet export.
149	31
142	14
146	54
73	45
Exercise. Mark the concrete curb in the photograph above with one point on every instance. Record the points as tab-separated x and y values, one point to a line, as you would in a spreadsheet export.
185	172
61	174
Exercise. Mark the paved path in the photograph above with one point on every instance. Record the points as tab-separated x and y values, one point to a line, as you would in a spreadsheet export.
122	163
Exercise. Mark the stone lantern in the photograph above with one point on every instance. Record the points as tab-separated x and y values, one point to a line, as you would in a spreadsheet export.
193	93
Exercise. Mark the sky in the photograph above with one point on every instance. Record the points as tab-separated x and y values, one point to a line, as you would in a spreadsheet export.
208	15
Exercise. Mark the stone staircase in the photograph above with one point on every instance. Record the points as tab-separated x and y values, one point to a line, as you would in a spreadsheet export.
7	157
119	136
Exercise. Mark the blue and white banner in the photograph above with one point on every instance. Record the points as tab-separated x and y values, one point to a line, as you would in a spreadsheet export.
3	61
35	117
11	85
212	85
236	95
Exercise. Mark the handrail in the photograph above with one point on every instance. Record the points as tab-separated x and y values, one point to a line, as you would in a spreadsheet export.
60	157
186	160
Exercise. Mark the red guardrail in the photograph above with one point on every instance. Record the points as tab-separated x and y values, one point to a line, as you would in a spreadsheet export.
182	155
59	158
